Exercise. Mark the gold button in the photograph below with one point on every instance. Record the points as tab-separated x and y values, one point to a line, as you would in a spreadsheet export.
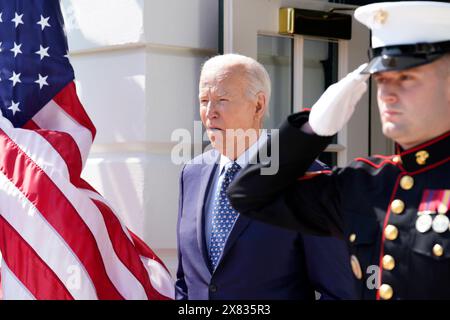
421	157
406	182
391	232
397	159
352	237
356	267
397	206
388	262
438	250
386	292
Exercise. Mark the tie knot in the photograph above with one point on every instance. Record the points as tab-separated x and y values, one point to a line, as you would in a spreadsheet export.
232	170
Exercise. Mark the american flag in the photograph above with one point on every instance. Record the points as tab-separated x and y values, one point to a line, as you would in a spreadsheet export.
59	238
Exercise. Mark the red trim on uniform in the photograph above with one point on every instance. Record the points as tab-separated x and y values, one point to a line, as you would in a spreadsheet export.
432	166
377	166
386	219
426	144
310	175
31	180
383	156
20	258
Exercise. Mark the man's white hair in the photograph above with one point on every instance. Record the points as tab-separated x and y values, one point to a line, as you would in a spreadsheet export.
257	78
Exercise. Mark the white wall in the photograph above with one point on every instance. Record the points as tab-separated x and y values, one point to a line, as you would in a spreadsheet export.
137	65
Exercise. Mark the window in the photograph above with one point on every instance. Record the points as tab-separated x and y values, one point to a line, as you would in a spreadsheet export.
319	68
275	54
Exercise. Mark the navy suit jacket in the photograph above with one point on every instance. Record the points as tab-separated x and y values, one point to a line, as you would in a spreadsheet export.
259	261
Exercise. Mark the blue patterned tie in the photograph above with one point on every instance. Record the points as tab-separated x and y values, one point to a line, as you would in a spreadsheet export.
223	216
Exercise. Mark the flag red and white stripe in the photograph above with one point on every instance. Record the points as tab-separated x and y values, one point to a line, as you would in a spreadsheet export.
59	238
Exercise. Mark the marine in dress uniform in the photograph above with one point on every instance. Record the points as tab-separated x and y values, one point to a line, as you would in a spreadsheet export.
392	210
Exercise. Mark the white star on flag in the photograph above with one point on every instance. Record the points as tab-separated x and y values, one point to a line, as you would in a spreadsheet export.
43	22
43	52
17	19
14	107
42	81
1	13
16	49
15	78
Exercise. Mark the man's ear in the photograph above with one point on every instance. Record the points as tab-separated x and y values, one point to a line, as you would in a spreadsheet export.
261	105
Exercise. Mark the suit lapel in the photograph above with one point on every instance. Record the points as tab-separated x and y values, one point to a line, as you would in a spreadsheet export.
205	179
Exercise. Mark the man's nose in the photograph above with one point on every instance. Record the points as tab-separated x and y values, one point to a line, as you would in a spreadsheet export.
211	110
387	94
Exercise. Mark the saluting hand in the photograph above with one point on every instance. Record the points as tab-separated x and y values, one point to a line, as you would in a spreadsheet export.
336	105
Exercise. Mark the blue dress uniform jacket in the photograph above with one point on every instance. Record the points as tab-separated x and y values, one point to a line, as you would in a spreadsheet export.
259	261
393	211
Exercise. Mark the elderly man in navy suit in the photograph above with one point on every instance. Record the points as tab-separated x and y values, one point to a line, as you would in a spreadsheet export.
221	254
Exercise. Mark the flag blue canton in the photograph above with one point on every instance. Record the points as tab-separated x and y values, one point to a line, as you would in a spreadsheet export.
34	65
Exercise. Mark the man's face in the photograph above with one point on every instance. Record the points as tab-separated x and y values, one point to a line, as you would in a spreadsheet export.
225	104
414	104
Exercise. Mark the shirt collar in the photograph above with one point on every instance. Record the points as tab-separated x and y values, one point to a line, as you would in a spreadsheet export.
425	155
245	157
